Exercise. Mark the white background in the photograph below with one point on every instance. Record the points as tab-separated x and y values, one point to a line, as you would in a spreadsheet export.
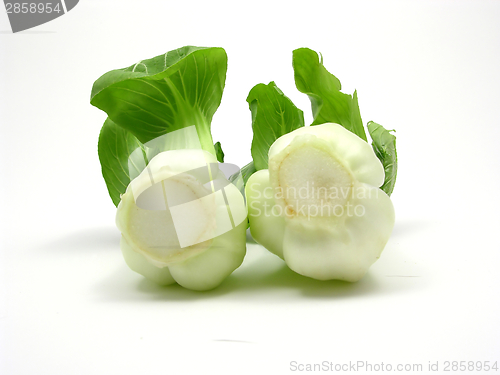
69	304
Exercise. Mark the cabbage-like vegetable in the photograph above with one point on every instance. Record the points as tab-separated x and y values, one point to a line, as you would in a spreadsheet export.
181	219
319	206
318	196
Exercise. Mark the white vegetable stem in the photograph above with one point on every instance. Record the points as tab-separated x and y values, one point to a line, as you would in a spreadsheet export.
319	206
182	221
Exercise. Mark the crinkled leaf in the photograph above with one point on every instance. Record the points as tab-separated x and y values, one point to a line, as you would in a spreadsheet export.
245	172
219	153
166	93
323	89
273	115
240	179
384	145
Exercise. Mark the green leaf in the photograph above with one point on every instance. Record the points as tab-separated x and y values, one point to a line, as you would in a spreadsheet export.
247	171
115	146
166	93
384	145
240	179
218	152
323	89
273	115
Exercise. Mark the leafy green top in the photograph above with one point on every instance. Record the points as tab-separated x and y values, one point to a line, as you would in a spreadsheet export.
154	97
323	89
273	115
168	92
384	145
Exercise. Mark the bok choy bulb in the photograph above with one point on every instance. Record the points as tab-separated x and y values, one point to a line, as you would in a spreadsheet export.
182	221
319	206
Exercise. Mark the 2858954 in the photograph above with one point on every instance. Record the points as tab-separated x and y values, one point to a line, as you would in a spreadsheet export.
25	8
